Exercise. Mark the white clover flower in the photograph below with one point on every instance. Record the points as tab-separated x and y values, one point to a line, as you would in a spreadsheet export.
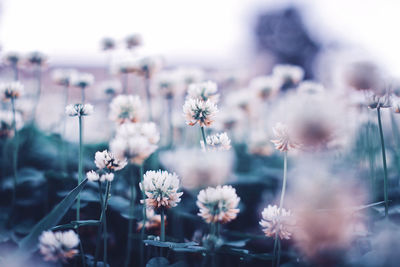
283	140
198	111
190	75
396	105
135	141
203	91
92	176
125	65
242	99
382	101
106	159
265	87
169	83
59	245
218	204
149	64
82	79
288	73
79	110
11	90
219	141
36	58
215	167
125	108
110	87
276	222
161	189
107	43
107	177
6	123
133	40
63	76
310	87
12	58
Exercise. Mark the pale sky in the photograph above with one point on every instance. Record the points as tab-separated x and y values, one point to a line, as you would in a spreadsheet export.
205	31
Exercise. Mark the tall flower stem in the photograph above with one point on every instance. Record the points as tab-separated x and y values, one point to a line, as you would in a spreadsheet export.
162	237
142	232
96	255
125	83
15	154
385	181
105	235
80	167
38	74
396	135
64	147
277	244
203	134
83	95
15	71
131	213
148	95
171	126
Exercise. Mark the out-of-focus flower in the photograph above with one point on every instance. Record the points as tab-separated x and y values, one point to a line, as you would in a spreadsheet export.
12	58
324	209
135	141
364	75
79	110
169	83
265	87
125	108
133	41
153	221
6	123
63	76
125	65
215	167
283	140
106	159
107	177
243	100
203	91
288	73
199	111
396	105
190	75
161	189
82	79
379	101
94	176
59	245
259	143
11	90
218	204
276	222
36	58
228	118
149	65
110	87
107	43
310	87
218	141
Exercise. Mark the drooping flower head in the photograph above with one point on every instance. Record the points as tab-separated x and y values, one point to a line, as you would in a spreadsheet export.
161	189
79	110
125	108
219	141
218	204
135	141
58	246
203	91
288	74
275	221
11	90
283	140
63	76
82	79
199	111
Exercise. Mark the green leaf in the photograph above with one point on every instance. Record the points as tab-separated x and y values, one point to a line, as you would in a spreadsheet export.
169	244
29	243
76	224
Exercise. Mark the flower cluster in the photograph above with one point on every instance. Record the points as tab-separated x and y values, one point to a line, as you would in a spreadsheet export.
105	162
161	189
82	79
125	108
11	90
63	76
135	141
59	245
79	110
288	73
276	221
203	91
218	204
219	141
199	111
283	141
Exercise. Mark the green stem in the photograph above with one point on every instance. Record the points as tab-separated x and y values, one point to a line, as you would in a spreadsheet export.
96	255
38	74
162	238
171	126
105	237
147	85
78	205
64	128
385	181
203	134
125	83
131	213
83	95
15	153
15	70
142	232
396	134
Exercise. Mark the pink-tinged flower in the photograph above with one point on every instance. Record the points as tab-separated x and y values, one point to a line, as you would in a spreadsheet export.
12	58
379	101
219	141
288	73
125	108
161	189
11	90
218	204
283	140
199	111
63	76
265	87
203	91
106	159
59	245
6	123
153	221
276	222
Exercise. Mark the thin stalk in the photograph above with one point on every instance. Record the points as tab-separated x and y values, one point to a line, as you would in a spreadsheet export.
80	167
38	74
171	127
15	154
83	95
125	83
131	213
385	192
148	95
396	134
203	134
162	238
106	197
142	232
64	128
96	255
15	70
